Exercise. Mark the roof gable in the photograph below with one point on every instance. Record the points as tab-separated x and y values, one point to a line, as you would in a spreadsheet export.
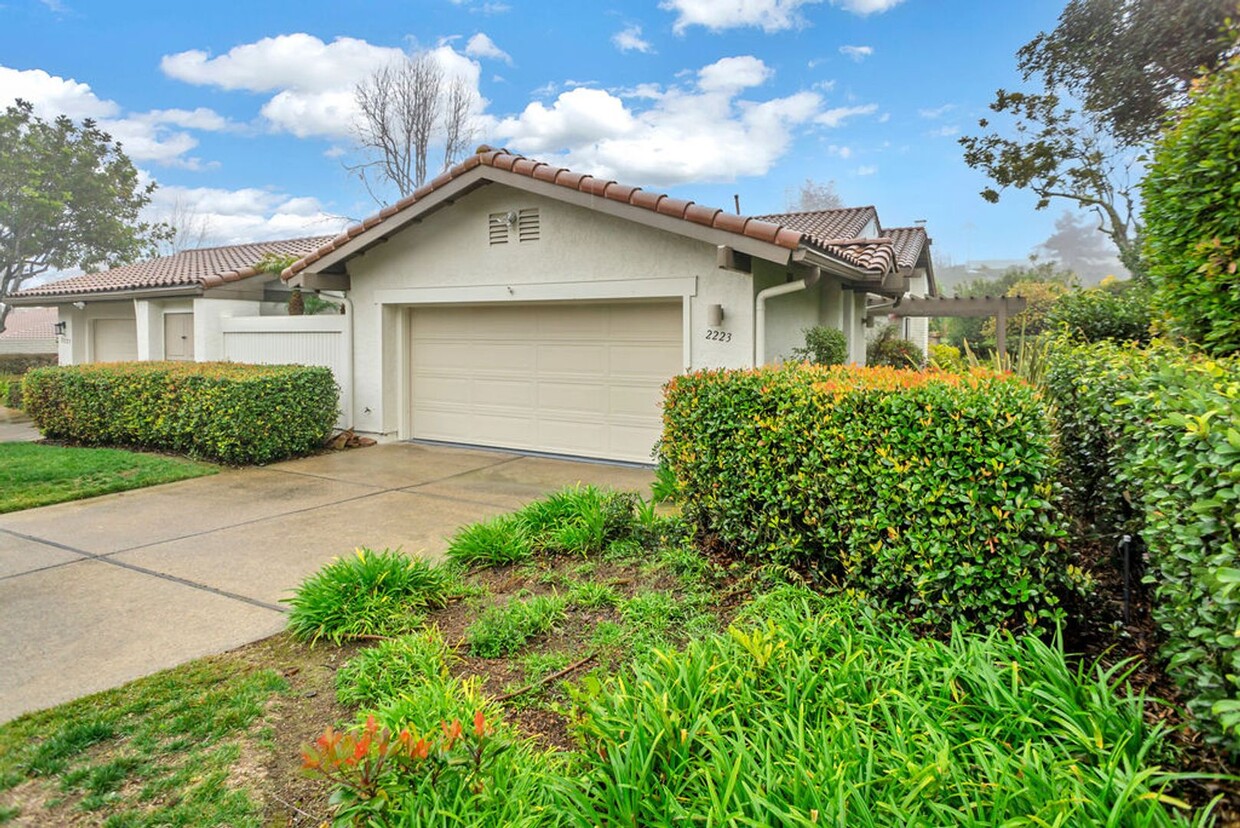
762	237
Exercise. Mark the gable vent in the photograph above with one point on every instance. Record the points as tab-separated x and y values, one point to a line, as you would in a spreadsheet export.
498	225
527	224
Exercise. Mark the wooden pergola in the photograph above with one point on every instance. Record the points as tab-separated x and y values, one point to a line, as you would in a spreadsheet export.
1000	307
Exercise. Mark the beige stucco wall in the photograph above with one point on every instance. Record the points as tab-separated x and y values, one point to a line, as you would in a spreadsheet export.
581	255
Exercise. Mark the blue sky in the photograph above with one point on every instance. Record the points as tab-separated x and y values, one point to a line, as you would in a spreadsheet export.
241	111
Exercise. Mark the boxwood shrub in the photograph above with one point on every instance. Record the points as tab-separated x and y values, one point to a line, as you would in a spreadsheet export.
931	492
223	411
1155	435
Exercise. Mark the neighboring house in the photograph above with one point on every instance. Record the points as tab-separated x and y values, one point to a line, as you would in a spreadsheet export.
515	304
171	307
29	331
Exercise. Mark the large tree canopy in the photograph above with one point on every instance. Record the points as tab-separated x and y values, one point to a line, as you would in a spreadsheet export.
69	197
1128	63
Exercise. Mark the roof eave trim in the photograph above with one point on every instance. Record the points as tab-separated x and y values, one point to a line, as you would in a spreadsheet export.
48	299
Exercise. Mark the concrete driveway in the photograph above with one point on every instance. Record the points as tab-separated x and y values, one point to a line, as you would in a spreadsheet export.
98	592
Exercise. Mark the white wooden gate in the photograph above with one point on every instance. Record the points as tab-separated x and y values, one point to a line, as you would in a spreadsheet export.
294	340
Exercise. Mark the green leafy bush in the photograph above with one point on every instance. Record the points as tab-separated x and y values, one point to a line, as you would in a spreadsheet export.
813	711
947	358
929	491
1192	216
889	349
218	410
1155	436
381	673
21	363
369	593
1119	312
823	346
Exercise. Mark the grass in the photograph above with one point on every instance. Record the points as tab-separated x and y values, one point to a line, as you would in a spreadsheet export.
503	630
33	474
159	751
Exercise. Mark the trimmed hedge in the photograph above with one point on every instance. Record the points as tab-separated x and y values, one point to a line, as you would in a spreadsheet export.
10	391
1155	434
932	492
224	411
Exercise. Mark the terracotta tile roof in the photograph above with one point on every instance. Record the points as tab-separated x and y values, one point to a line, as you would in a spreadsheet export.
782	235
30	323
206	267
909	242
827	226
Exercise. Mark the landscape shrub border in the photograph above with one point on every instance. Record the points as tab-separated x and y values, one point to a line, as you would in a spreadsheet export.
930	492
224	411
1154	437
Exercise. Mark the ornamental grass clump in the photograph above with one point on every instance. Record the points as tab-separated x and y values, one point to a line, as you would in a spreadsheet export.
819	711
932	493
369	594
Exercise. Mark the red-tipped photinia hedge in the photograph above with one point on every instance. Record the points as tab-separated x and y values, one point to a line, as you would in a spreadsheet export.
931	492
218	410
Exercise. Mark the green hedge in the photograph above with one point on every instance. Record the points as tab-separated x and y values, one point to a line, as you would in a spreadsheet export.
931	492
223	411
1155	435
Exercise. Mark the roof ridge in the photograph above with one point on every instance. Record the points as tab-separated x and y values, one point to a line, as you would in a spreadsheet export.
240	244
824	210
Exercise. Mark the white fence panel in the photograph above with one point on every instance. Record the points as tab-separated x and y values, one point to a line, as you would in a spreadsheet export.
293	340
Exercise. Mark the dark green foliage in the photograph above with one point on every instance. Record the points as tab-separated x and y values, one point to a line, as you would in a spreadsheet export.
931	492
69	197
819	712
11	391
1119	312
1192	216
823	346
1154	436
21	363
369	593
217	410
891	350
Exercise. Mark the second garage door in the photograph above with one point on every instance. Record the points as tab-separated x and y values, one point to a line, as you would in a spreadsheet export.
578	379
115	340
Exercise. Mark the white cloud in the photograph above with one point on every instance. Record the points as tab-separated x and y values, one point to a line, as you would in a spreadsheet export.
249	214
865	169
480	46
839	151
946	131
857	53
488	8
629	39
157	136
837	116
936	112
768	15
313	81
700	132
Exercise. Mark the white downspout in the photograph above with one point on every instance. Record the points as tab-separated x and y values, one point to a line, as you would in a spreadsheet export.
759	340
348	312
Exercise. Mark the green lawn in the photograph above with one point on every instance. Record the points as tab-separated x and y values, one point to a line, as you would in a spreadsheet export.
36	475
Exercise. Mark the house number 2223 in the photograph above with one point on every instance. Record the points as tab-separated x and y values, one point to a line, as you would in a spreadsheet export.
718	336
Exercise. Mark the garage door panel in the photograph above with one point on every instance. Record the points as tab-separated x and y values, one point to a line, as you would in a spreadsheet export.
115	340
580	379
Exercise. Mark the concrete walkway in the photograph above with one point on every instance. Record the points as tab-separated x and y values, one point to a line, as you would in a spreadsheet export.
15	427
97	592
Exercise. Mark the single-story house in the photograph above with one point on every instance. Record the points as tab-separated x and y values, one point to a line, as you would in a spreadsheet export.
170	307
514	304
29	331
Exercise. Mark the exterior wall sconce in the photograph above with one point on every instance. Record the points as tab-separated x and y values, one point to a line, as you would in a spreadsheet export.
714	315
80	305
60	328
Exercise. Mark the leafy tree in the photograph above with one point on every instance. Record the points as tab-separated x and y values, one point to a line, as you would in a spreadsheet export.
823	346
1077	246
1128	62
1115	311
69	197
1192	213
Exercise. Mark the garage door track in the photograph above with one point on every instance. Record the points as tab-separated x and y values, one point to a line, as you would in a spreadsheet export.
98	592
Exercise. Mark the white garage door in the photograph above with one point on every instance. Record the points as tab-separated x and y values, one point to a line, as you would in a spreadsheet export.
115	340
579	379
